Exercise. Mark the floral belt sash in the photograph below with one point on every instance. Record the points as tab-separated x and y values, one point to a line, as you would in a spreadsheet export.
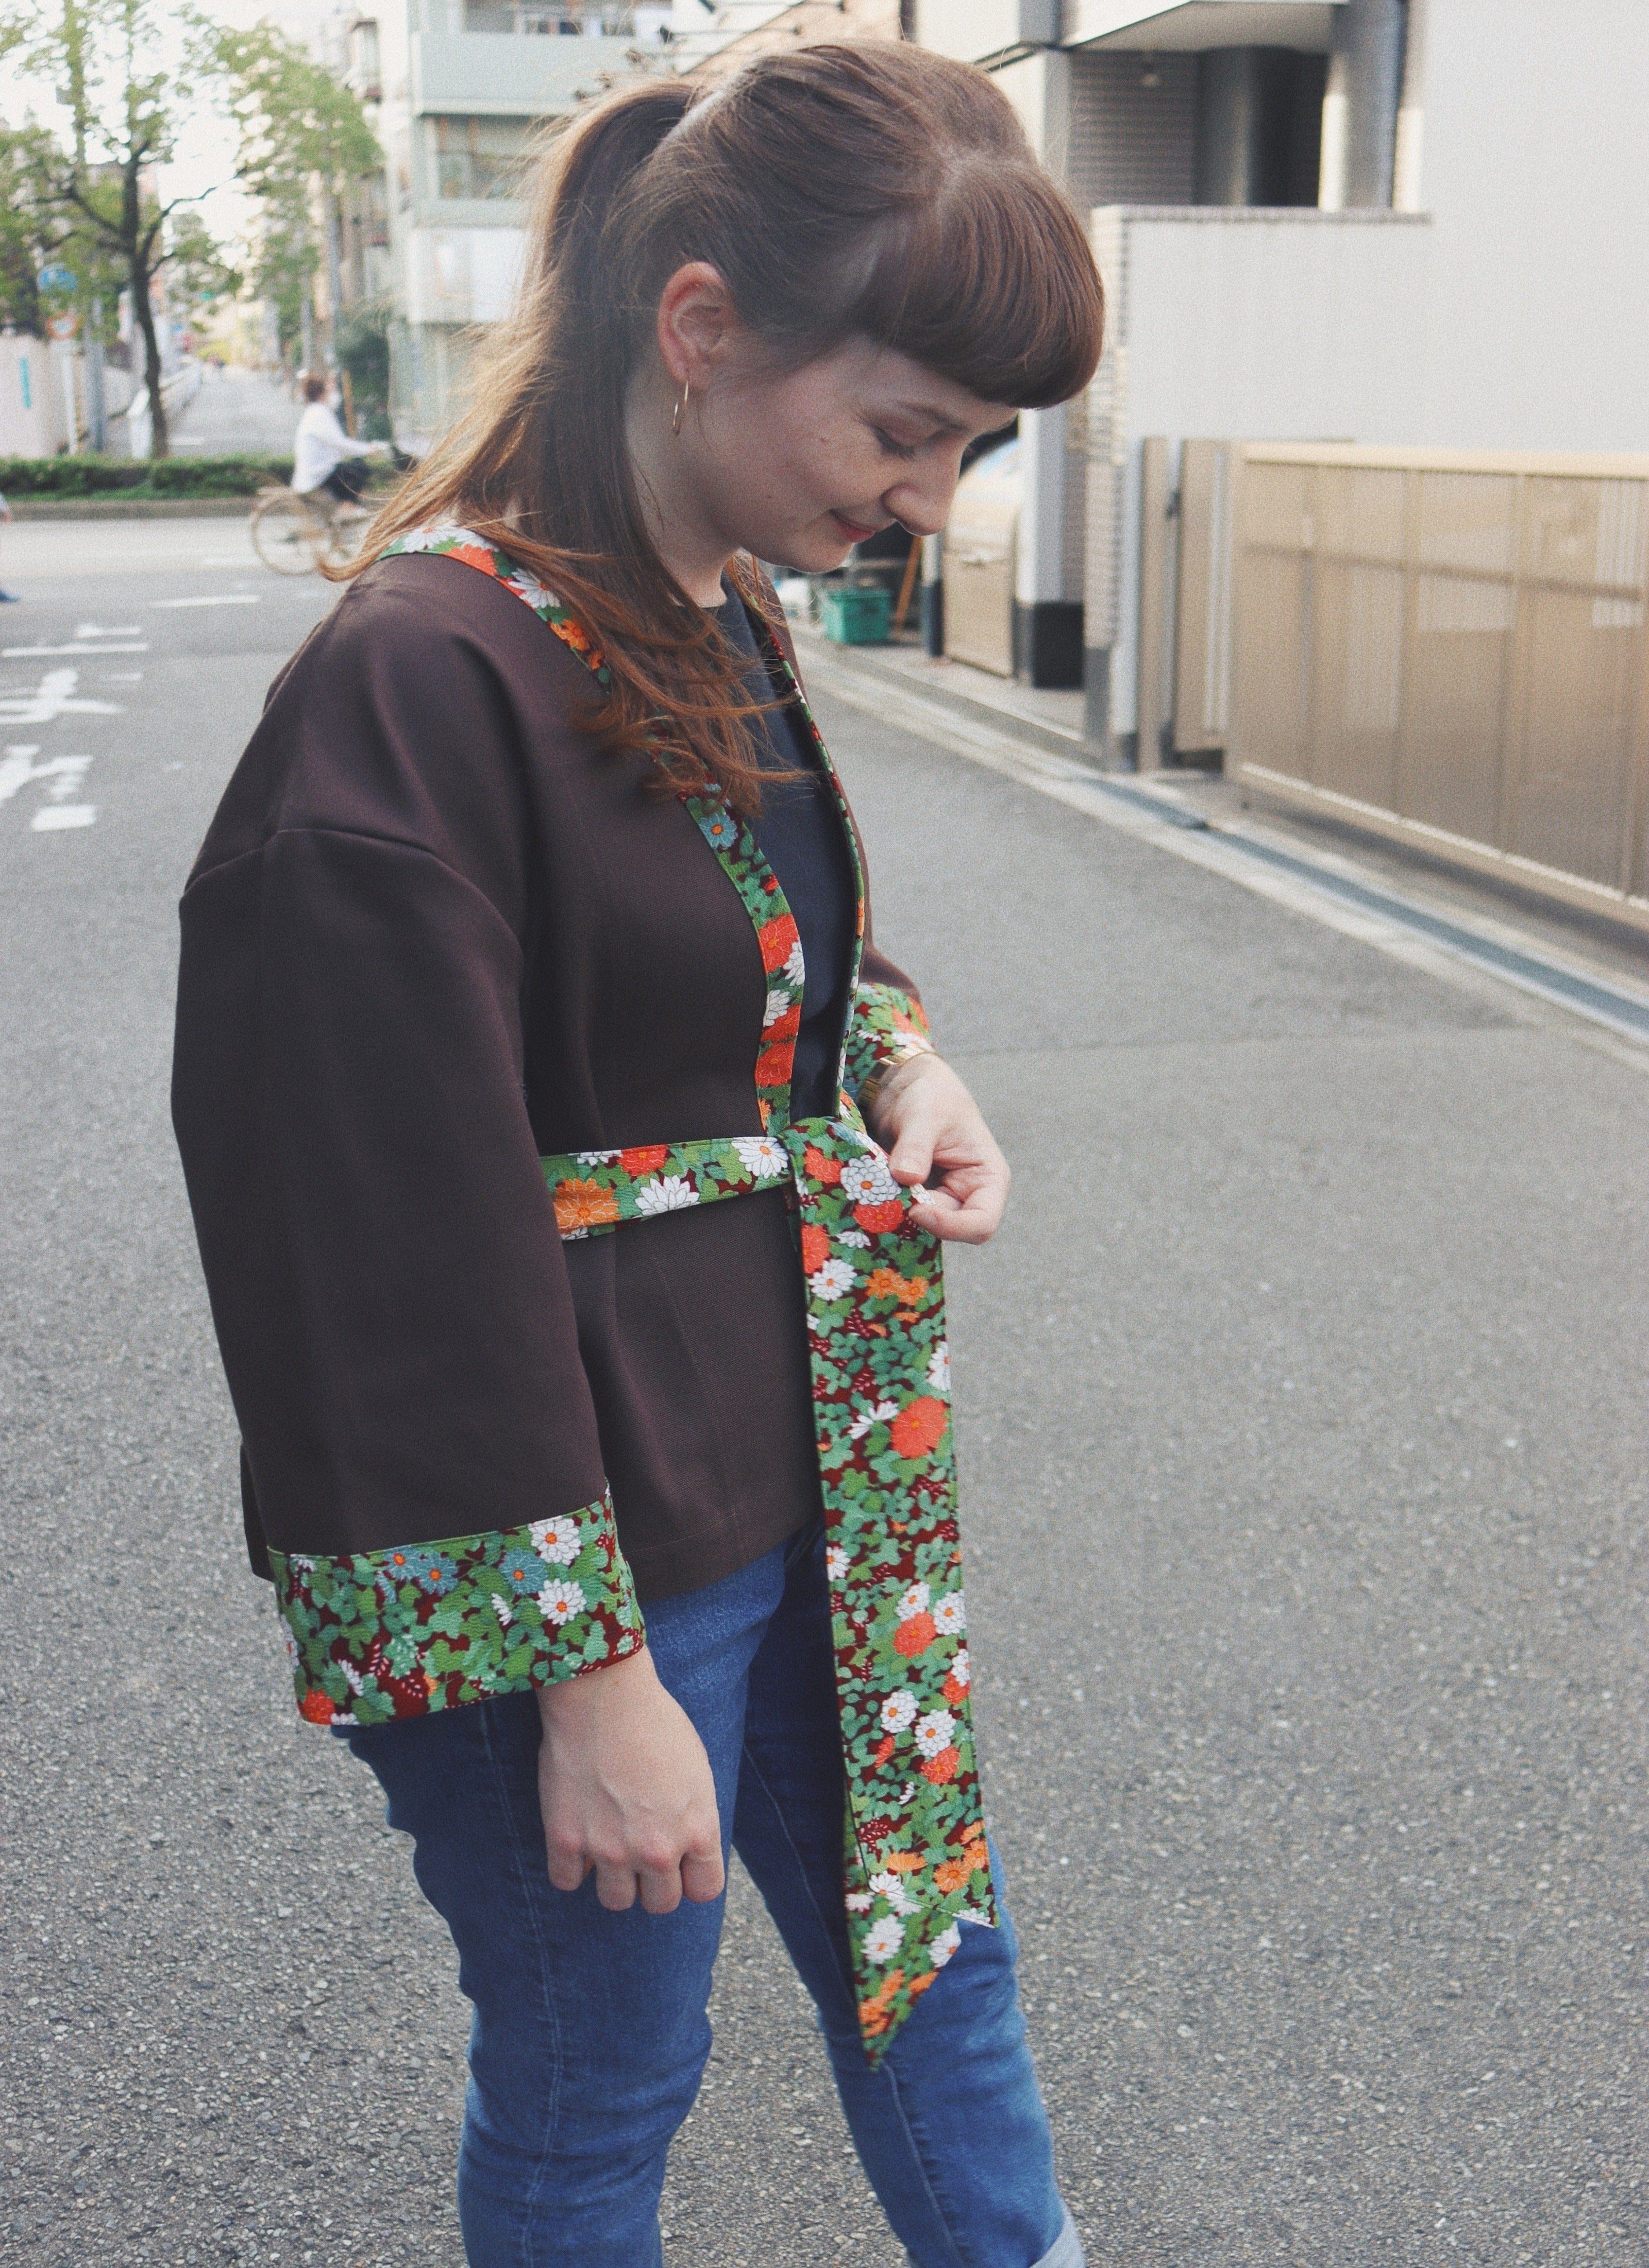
916	1862
916	1865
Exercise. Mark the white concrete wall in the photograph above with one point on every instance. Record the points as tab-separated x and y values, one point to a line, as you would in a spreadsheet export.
34	414
1535	165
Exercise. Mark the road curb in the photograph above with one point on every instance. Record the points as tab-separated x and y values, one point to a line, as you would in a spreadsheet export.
116	507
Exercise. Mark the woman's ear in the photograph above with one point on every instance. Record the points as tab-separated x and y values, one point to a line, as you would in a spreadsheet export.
697	324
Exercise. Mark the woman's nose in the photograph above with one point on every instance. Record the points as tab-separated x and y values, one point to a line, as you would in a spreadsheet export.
921	501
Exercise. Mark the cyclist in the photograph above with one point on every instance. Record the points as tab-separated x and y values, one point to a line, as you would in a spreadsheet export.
325	458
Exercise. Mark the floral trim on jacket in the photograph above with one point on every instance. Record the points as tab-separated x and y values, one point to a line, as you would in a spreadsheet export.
888	1026
400	1632
915	1862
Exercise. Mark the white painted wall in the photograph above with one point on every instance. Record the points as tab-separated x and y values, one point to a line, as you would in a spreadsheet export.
1535	168
33	416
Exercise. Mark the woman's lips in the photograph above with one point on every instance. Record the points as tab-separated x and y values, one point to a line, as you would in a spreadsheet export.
852	528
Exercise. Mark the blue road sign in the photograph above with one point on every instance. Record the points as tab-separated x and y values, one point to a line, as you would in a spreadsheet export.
58	279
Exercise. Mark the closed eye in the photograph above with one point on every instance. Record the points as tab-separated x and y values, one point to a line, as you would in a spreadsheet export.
892	447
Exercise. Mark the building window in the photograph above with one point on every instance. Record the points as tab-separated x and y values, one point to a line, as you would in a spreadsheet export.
570	19
480	158
365	72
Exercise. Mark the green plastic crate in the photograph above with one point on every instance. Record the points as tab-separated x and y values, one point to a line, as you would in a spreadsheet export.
856	615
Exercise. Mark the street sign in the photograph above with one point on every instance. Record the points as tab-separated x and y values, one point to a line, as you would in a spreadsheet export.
64	327
58	279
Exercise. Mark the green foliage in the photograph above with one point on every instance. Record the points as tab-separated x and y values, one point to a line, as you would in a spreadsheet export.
361	341
172	476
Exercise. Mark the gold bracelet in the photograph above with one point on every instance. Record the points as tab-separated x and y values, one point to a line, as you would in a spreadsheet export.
869	1093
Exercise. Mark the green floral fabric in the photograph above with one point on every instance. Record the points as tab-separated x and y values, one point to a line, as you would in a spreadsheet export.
915	1864
399	1632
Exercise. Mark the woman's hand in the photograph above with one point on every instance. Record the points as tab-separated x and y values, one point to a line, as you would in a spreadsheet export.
932	1129
624	1786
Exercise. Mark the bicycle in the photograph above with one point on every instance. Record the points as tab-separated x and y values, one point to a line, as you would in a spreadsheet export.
299	535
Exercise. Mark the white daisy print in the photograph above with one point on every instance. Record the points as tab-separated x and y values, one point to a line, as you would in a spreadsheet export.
836	1562
950	1616
913	1601
891	1888
557	1541
884	1938
933	1732
940	1367
795	967
834	1279
856	1237
960	1670
943	1945
501	1607
778	1004
866	1181
671	1193
899	1712
866	1418
595	1157
761	1155
559	1602
858	1902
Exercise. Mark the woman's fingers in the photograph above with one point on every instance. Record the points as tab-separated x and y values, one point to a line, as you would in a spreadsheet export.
703	1877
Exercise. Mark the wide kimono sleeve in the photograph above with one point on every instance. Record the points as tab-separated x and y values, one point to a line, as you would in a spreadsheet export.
423	1472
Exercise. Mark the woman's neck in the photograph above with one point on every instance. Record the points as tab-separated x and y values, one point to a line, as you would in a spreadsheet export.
692	547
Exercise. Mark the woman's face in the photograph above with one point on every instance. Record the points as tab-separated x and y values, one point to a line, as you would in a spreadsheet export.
798	469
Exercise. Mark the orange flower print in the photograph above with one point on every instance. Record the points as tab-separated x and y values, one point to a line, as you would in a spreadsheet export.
880	1219
583	1205
941	1768
915	1635
316	1709
889	1284
884	1750
474	554
815	1247
783	1027
904	1862
952	1875
920	1426
773	1064
777	939
643	1162
820	1169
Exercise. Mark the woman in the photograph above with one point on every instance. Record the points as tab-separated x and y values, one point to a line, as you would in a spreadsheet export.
587	1349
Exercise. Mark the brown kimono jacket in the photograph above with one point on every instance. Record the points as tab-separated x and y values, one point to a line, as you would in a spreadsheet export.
432	936
460	998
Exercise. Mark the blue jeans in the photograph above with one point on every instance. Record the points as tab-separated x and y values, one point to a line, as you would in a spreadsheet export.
590	2034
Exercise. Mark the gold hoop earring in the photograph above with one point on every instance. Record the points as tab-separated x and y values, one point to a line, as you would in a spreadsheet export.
682	401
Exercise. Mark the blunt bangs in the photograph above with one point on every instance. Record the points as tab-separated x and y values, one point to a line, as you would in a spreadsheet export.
990	284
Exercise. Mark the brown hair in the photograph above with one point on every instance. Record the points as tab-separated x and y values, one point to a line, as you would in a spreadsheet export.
881	192
314	386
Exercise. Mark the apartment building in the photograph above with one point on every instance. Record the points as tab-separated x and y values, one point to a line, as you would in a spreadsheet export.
1413	224
459	93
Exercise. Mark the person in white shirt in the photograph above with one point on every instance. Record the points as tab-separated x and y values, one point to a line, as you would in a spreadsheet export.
323	455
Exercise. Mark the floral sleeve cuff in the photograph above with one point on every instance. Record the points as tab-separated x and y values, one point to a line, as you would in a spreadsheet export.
399	1632
888	1026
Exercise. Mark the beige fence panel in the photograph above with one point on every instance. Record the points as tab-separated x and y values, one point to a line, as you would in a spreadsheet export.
1453	650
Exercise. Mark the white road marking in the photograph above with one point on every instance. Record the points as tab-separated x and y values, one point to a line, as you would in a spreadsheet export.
14	652
226	598
123	677
98	630
55	698
60	777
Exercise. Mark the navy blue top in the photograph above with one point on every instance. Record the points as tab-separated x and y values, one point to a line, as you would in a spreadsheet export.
803	837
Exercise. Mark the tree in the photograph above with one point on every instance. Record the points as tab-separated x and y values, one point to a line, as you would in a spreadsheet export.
303	136
103	62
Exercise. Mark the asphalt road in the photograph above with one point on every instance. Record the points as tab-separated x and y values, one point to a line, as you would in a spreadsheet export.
1302	1433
